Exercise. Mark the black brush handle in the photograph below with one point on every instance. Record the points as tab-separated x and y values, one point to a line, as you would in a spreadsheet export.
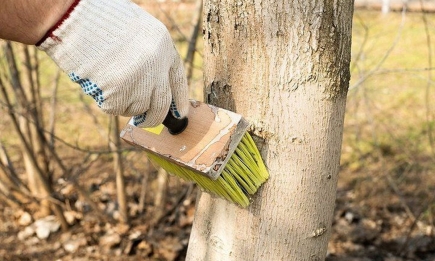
174	125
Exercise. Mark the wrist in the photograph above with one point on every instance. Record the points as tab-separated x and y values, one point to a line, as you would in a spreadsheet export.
27	21
58	12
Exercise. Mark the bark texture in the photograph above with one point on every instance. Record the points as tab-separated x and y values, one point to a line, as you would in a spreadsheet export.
284	65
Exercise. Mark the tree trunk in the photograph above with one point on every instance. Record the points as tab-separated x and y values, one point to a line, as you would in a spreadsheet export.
160	194
26	126
115	145
284	65
385	6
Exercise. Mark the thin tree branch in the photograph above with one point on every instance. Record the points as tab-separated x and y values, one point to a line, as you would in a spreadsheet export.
428	100
386	55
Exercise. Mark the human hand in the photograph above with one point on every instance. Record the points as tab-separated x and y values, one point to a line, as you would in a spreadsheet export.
121	56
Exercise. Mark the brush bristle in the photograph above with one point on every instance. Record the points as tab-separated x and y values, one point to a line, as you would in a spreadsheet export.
244	173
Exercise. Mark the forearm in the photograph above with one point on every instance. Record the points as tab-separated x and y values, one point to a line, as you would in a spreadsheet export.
27	21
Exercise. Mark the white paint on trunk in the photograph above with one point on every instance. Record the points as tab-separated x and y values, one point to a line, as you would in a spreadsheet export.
284	65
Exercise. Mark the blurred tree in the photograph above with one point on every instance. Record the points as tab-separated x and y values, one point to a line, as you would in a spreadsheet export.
284	65
25	113
385	6
115	145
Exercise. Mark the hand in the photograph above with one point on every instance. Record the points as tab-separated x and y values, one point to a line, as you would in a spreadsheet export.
121	56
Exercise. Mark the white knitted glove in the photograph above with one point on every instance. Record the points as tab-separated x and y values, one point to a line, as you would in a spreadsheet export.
121	56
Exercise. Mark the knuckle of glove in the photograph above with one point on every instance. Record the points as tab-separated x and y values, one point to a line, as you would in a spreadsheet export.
129	90
121	73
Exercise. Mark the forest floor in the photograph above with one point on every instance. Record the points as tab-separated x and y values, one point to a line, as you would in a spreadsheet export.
385	199
369	224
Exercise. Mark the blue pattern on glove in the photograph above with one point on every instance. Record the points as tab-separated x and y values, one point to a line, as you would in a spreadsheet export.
89	88
139	119
174	110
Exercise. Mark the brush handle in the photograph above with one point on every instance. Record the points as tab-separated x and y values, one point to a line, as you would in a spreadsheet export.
174	125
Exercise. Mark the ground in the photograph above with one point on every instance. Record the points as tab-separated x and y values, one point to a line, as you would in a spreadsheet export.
371	229
154	234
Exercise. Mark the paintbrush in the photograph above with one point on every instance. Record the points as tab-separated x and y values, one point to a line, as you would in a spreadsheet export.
210	147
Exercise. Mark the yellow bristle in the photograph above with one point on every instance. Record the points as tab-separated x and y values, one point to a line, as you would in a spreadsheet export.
244	173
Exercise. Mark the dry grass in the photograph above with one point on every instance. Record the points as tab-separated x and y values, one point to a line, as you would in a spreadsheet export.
387	155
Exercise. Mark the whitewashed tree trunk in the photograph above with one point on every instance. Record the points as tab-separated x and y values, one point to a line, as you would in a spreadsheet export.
284	65
385	6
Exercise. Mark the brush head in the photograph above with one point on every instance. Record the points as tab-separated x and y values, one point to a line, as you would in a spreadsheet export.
205	146
215	151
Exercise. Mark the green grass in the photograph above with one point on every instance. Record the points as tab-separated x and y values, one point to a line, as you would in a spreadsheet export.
388	122
390	105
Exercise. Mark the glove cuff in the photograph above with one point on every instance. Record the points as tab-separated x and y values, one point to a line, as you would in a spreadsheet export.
93	24
49	33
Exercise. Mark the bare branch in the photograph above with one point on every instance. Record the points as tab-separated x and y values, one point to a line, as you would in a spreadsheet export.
386	55
429	116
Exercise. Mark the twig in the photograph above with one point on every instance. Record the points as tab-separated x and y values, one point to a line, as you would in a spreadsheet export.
59	139
11	202
115	143
386	55
102	131
362	45
429	76
53	103
143	190
393	186
191	50
413	225
175	206
47	190
173	23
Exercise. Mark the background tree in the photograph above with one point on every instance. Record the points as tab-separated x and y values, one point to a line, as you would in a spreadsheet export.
284	66
26	118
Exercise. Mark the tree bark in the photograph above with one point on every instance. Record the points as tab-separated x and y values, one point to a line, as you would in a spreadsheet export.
284	65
